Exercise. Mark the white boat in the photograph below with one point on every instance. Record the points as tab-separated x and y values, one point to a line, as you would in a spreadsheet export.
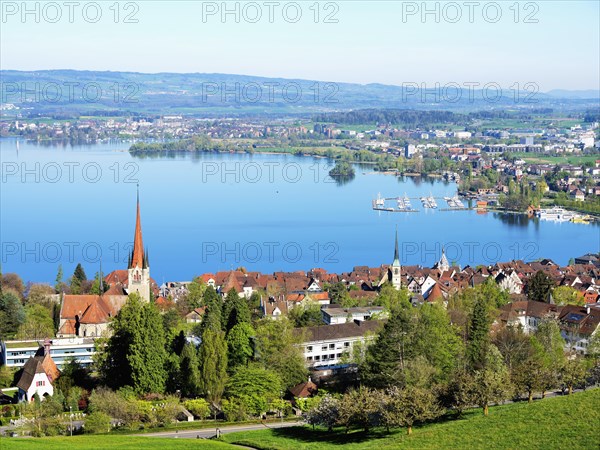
555	213
457	202
407	204
380	201
431	200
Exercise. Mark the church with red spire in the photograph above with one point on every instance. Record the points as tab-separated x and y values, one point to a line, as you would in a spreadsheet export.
138	270
88	315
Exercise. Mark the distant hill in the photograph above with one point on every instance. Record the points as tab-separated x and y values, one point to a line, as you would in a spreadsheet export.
562	93
72	92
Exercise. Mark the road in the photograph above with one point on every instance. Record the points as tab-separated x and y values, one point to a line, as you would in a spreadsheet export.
203	433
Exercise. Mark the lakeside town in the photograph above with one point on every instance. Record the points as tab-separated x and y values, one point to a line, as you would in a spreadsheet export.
547	166
217	346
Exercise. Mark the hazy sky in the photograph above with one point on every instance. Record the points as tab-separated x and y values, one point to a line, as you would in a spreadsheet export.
372	41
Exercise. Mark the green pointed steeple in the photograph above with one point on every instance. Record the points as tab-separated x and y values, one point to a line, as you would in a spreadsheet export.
396	262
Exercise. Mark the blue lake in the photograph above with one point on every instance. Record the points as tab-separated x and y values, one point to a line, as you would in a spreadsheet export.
210	212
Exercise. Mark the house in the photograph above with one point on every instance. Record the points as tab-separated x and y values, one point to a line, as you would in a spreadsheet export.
195	316
38	375
589	258
274	307
335	314
577	194
578	324
304	390
526	314
329	345
509	281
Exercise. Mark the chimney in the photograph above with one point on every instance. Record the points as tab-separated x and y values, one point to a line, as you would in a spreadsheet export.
47	344
587	309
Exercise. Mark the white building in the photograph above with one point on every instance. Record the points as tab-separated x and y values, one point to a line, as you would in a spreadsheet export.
16	353
329	345
38	375
333	315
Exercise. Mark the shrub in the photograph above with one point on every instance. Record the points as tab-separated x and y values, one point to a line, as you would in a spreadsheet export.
97	422
198	407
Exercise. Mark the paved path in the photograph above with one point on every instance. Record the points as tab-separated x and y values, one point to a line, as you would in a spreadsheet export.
203	433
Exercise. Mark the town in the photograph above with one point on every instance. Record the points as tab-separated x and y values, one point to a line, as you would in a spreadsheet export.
238	344
548	166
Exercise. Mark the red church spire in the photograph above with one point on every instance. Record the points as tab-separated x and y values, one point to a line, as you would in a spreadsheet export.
137	255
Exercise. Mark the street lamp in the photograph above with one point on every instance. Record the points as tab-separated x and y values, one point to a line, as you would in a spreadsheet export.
71	418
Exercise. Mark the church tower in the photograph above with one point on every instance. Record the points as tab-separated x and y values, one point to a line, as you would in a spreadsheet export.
396	268
138	269
443	265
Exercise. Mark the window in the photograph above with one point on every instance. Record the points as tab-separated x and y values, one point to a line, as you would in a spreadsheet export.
317	358
310	358
309	348
346	344
332	356
324	347
40	383
339	355
331	346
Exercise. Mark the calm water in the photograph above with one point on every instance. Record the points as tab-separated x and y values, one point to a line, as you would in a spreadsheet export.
207	212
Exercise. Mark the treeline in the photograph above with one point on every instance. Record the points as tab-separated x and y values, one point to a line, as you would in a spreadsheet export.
410	118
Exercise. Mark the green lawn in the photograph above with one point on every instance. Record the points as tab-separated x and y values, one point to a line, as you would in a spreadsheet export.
108	442
569	422
542	159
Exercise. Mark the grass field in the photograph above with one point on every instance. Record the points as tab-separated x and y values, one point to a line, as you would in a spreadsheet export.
555	423
108	442
541	159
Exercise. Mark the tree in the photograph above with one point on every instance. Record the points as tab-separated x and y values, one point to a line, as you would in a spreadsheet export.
573	373
338	293
514	345
360	408
548	342
189	373
59	285
195	294
213	363
239	345
307	315
78	279
405	407
391	298
12	313
12	281
385	360
491	380
326	413
436	339
39	294
255	387
479	333
38	323
235	311
457	393
567	295
277	350
539	287
528	375
135	353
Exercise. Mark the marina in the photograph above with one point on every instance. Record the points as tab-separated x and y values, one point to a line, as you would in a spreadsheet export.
403	204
